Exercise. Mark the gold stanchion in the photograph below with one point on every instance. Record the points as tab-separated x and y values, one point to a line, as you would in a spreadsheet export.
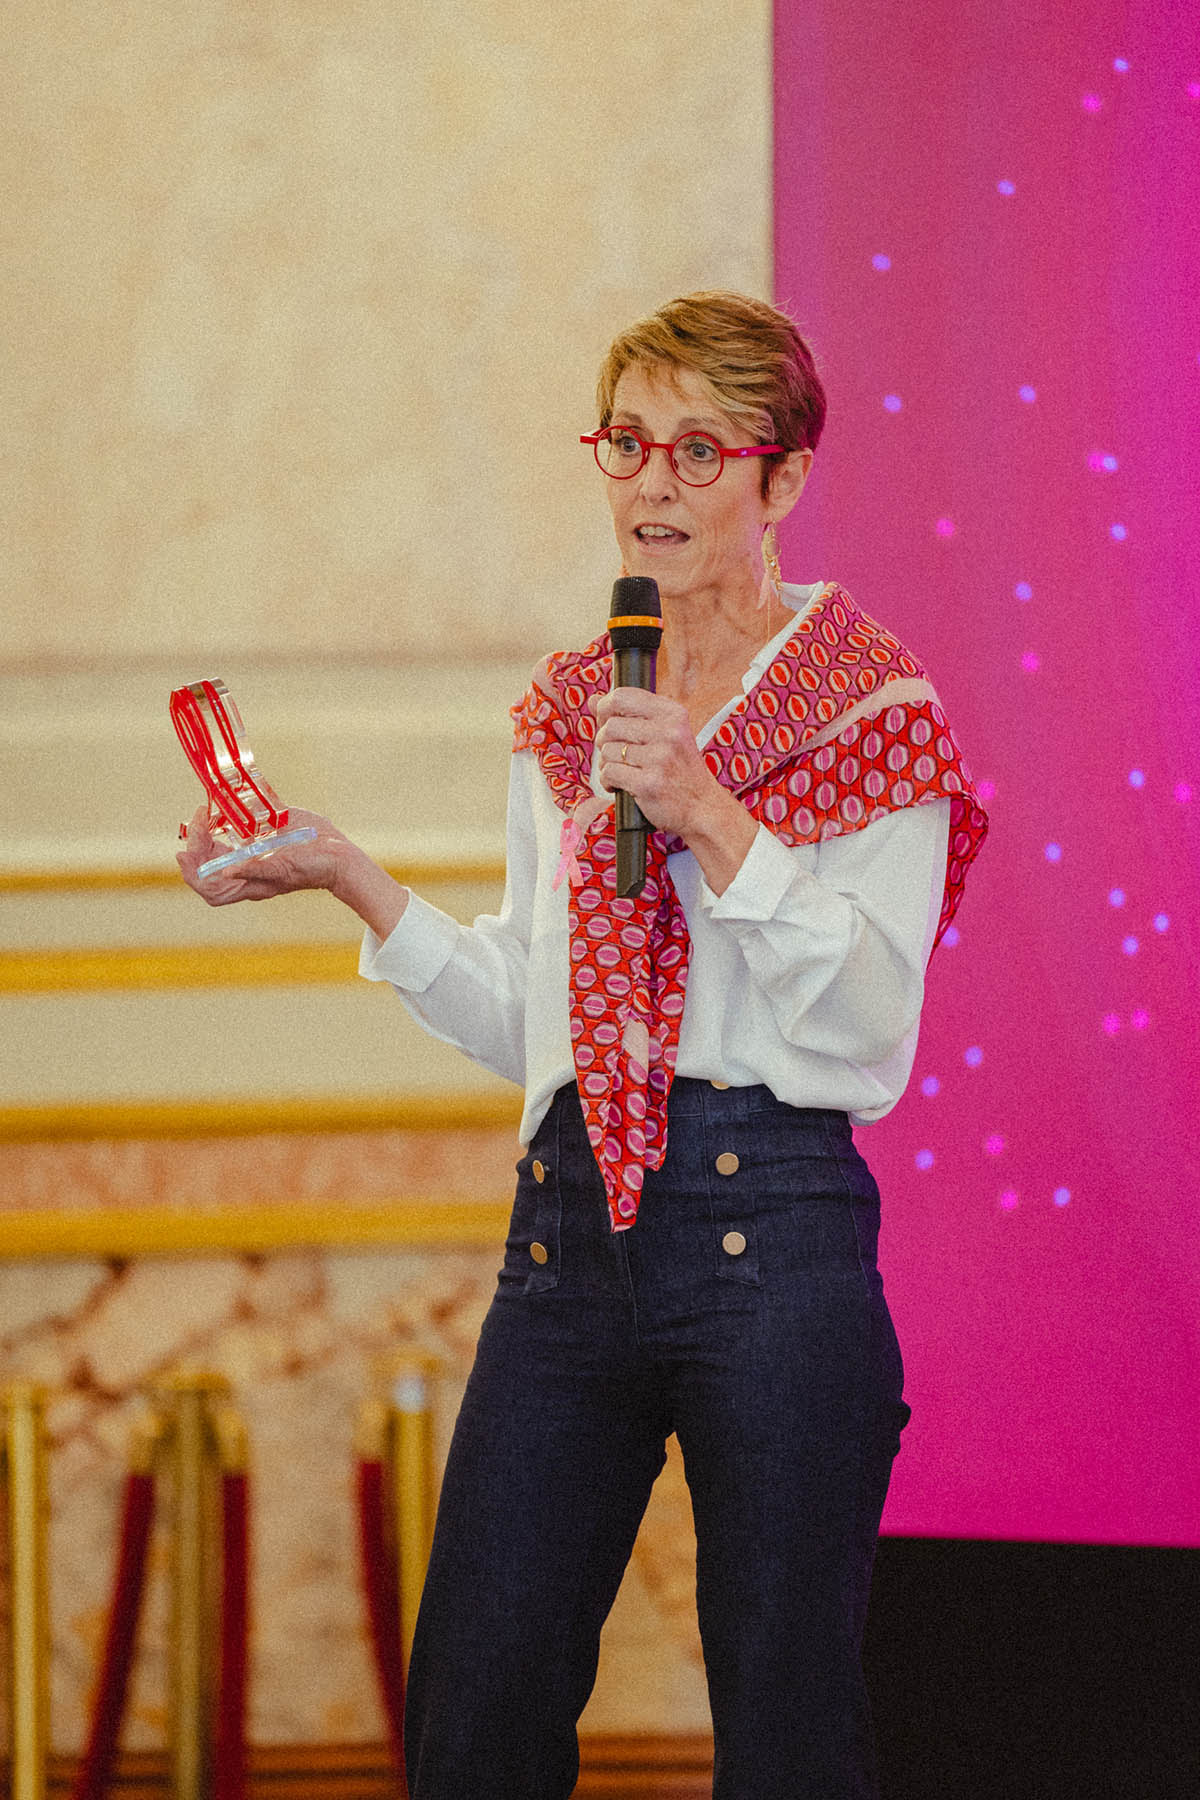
397	1500
24	1457
191	1444
191	1454
231	1444
411	1378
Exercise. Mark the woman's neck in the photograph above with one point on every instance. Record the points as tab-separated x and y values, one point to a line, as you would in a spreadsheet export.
707	648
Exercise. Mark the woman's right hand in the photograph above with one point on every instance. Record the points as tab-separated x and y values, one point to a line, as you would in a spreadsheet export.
330	860
312	865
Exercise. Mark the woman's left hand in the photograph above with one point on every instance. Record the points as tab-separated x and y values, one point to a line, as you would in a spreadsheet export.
647	746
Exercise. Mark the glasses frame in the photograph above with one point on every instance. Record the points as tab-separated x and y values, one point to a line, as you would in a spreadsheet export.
596	438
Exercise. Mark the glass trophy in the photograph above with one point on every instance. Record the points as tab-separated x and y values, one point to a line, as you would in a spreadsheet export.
244	811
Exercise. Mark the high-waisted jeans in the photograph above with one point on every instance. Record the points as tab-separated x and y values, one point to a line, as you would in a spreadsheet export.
744	1312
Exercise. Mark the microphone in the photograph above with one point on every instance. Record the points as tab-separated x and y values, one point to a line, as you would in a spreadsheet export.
635	627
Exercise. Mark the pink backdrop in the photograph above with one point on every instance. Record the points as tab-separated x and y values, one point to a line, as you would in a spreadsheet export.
987	218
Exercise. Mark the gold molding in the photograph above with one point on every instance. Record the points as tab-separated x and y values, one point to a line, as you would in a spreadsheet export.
139	967
435	873
121	1231
176	966
488	1110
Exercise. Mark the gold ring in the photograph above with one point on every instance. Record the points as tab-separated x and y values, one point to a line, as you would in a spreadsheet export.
624	748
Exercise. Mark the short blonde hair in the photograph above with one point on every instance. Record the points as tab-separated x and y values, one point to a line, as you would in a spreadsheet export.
752	358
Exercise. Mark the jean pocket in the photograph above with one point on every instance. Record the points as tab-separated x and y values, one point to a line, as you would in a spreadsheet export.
532	1249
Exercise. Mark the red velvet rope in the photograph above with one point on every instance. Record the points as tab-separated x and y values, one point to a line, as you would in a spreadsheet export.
136	1517
383	1605
229	1753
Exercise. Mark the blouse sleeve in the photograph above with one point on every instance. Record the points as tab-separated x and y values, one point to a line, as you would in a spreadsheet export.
466	984
837	935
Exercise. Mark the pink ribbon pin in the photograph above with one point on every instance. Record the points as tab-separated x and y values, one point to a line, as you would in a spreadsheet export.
570	838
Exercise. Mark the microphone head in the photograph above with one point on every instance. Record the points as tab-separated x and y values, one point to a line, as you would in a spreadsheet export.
635	594
635	619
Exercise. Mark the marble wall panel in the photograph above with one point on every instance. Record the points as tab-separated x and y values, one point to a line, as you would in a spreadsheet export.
307	301
299	1336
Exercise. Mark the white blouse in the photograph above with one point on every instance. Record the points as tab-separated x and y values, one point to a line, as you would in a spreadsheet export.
807	973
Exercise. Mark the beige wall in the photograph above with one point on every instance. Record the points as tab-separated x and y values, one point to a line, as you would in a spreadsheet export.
303	311
307	301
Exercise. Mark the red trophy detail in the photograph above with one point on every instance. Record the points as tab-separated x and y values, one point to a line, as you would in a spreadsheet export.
241	805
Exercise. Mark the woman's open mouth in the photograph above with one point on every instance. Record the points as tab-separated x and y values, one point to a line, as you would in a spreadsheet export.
659	537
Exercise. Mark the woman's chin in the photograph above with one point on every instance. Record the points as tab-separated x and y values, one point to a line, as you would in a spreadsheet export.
668	573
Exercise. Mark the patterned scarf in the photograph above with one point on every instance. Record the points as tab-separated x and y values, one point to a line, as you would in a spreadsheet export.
843	728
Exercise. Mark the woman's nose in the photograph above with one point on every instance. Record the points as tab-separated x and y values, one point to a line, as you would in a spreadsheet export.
658	472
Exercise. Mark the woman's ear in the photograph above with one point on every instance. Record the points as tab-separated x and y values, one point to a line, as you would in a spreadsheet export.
787	484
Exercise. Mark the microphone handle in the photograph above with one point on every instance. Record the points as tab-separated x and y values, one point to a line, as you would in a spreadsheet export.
632	667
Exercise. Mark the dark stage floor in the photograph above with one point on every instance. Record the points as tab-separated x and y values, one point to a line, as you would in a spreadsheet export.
1022	1671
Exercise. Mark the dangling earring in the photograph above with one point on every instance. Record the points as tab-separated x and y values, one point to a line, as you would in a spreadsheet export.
772	573
772	581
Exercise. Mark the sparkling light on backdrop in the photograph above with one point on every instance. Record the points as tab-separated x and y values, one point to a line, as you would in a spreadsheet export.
986	219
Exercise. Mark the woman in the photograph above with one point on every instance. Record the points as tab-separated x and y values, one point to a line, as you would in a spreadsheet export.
693	1238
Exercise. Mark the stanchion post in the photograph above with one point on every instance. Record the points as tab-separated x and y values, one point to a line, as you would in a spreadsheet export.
29	1687
414	1483
193	1564
193	1442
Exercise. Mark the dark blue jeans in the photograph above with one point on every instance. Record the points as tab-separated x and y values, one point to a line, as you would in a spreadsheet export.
745	1313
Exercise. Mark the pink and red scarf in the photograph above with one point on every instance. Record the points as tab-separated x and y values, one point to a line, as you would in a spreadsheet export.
843	728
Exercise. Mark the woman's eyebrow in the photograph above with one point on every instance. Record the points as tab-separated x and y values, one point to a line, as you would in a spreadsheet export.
632	418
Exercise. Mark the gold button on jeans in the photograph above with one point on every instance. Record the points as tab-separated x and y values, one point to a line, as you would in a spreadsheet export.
539	1172
721	1085
727	1163
539	1253
733	1242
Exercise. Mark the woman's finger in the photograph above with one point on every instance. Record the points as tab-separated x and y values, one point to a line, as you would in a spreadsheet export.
617	738
216	891
630	702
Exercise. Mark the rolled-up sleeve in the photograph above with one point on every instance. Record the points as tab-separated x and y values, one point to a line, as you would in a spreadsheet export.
417	950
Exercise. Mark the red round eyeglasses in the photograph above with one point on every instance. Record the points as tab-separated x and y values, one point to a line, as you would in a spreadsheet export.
696	457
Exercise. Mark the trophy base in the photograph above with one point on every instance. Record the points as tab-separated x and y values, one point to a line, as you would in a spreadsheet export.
259	846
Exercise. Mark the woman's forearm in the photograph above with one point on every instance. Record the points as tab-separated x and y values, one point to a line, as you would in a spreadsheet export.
720	839
377	897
